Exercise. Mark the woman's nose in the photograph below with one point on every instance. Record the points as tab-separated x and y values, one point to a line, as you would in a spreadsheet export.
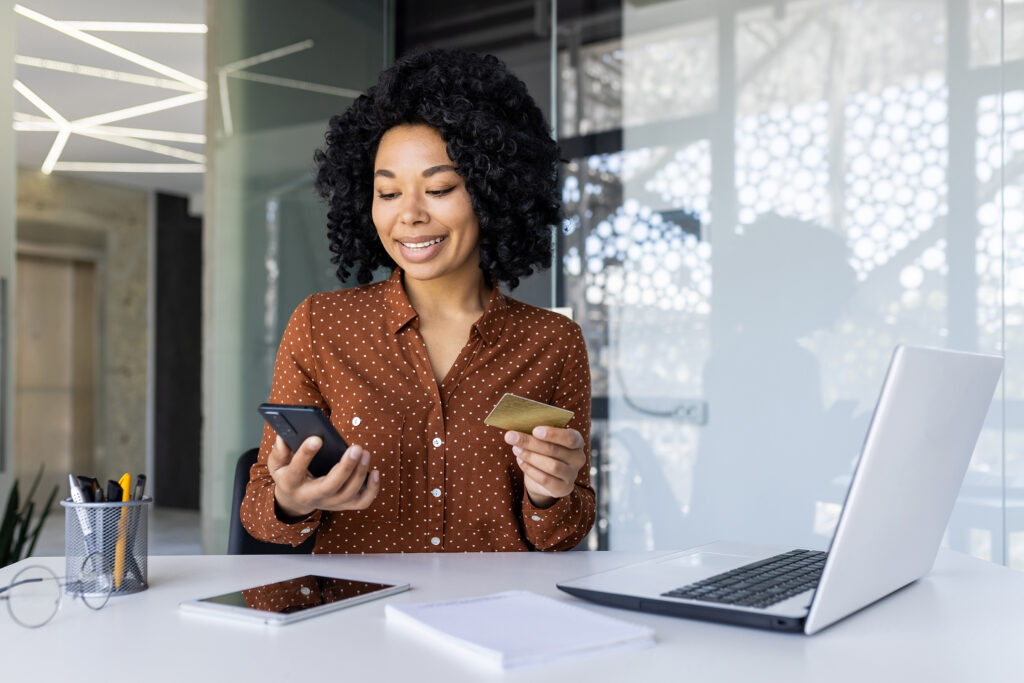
411	211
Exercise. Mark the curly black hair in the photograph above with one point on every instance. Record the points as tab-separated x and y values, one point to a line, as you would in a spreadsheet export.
495	134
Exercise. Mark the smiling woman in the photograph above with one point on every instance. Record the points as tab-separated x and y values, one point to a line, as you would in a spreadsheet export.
444	171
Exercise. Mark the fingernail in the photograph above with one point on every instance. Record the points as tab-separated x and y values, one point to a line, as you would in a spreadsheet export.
315	443
540	432
366	458
519	460
375	475
511	437
517	450
355	452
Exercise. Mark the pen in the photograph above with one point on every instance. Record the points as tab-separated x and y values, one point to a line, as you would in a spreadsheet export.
83	515
134	521
140	486
125	484
85	486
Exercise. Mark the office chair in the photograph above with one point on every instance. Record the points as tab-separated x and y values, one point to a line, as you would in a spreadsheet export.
240	542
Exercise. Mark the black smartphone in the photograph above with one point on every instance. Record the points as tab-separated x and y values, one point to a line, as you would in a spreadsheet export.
295	424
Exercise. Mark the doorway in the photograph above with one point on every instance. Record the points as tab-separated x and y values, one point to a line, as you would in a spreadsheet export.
56	363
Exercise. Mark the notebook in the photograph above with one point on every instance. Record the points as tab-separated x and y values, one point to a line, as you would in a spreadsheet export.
519	628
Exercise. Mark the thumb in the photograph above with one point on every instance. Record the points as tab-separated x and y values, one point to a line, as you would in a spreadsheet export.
306	451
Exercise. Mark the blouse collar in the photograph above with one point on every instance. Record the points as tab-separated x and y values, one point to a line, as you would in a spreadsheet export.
401	313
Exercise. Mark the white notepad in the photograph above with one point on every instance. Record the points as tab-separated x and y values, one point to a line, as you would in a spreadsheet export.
519	628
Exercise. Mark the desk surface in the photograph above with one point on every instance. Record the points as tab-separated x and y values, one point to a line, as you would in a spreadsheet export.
962	622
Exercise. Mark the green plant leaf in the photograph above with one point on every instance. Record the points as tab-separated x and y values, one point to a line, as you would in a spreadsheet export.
43	514
23	522
7	524
35	484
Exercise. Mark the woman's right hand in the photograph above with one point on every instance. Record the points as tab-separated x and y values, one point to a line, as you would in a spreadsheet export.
298	493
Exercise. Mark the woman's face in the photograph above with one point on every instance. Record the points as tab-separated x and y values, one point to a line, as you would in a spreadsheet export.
421	207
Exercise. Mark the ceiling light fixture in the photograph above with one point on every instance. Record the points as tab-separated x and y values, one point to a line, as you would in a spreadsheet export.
109	74
135	143
63	127
141	110
298	85
135	26
92	126
112	167
111	48
29	122
227	69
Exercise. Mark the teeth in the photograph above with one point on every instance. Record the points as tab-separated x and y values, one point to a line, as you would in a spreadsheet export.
421	245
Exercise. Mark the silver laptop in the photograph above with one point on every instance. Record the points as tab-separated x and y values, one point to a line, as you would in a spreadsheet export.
920	440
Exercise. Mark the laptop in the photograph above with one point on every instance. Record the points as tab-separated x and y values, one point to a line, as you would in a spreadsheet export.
918	446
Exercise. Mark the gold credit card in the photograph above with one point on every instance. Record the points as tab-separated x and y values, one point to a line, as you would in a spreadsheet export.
523	414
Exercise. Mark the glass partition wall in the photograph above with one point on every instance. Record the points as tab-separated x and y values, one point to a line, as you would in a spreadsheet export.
277	73
762	199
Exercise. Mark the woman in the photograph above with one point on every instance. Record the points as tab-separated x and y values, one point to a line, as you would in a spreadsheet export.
446	173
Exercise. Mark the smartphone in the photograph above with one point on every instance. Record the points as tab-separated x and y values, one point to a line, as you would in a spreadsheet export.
289	601
295	424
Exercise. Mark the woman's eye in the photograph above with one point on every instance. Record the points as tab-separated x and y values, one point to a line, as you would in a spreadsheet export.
440	193
387	196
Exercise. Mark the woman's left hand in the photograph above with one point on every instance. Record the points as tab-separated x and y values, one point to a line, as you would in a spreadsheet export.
550	459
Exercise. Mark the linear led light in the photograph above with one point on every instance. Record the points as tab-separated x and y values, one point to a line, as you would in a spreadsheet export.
165	150
55	150
29	122
267	56
222	75
141	110
225	101
145	133
298	85
39	103
111	167
63	128
109	74
135	26
113	49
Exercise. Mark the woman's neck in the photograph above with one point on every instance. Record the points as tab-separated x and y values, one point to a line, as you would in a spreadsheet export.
457	295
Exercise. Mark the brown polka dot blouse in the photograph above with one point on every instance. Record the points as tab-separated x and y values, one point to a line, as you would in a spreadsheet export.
449	483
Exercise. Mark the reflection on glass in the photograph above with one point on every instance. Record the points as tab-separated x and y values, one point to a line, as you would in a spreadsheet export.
823	181
278	73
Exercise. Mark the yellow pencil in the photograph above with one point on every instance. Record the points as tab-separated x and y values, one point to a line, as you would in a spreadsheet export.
122	530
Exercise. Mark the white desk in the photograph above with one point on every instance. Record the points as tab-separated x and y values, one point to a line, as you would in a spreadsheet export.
962	622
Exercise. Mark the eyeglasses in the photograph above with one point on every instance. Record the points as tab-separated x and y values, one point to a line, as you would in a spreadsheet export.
34	594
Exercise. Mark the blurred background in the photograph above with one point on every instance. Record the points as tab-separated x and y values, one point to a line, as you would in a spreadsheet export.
763	198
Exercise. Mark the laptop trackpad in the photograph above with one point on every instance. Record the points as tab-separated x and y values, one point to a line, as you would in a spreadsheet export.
709	561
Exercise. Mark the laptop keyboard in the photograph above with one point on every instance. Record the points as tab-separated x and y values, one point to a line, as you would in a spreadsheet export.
761	583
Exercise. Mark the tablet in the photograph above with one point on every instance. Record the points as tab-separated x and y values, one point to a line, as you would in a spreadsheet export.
292	600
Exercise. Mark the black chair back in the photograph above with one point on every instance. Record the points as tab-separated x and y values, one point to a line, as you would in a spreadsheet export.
240	542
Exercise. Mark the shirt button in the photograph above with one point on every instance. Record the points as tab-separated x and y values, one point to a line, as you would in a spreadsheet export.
436	493
356	421
305	591
535	518
435	541
437	442
305	531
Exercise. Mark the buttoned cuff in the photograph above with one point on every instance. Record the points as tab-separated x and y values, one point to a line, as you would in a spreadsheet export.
277	531
546	527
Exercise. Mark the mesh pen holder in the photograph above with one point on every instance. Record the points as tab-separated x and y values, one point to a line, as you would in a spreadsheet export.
116	530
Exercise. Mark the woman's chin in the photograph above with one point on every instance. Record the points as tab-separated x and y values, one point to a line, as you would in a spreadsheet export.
430	270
